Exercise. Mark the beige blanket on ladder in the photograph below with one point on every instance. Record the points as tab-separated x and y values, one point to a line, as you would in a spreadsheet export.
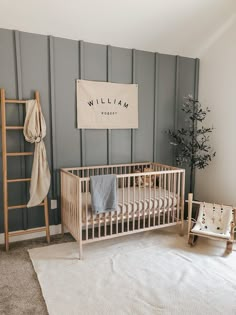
34	132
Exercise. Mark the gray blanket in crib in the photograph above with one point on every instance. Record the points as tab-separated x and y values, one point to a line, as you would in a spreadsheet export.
103	193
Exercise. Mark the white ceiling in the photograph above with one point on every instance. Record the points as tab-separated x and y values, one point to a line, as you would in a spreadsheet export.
184	27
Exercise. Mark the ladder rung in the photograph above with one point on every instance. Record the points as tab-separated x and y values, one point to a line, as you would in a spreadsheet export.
15	101
18	180
19	153
14	127
22	206
22	232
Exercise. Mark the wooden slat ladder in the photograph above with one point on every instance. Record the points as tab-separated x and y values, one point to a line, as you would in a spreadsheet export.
7	181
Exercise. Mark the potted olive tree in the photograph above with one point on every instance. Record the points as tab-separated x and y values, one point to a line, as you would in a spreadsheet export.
192	141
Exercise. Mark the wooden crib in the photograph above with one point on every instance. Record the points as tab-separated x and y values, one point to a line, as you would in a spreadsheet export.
146	200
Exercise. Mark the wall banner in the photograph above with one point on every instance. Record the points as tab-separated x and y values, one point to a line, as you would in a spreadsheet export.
105	105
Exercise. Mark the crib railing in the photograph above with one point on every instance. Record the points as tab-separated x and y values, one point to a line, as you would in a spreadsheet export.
160	202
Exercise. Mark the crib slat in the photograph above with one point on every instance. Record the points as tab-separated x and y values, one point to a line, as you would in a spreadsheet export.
168	214
155	200
82	182
65	199
70	207
77	200
105	224
129	205
139	204
144	202
149	207
73	204
134	187
99	225
123	200
174	193
182	202
86	208
111	225
62	203
117	222
105	214
159	197
92	226
80	219
178	194
71	195
164	208
118	198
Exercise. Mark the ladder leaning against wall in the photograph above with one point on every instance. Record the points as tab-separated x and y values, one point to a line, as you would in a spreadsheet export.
7	181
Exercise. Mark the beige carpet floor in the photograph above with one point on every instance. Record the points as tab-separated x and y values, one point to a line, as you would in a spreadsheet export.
20	292
143	274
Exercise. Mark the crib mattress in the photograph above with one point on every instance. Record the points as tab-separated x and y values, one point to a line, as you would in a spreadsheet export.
137	200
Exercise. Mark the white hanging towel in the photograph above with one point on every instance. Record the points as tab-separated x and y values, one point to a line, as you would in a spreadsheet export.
34	132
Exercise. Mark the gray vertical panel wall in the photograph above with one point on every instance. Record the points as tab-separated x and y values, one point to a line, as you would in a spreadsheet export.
95	69
186	86
8	80
30	62
34	51
66	72
145	78
121	72
165	107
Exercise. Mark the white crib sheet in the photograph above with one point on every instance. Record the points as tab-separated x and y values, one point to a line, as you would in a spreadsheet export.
138	201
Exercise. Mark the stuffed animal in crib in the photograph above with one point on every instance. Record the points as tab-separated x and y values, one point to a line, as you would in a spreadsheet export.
148	180
144	181
138	179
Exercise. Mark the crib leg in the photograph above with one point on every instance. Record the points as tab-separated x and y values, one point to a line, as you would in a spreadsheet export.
229	247
80	251
181	230
192	240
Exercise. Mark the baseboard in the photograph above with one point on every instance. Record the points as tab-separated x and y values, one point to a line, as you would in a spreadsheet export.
54	229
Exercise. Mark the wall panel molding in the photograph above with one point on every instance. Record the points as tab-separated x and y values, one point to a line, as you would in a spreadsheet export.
81	76
121	65
176	93
54	172
196	78
52	111
109	76
156	105
23	186
18	64
196	87
133	81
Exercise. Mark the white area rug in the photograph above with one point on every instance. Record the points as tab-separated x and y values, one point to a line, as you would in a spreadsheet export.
147	273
